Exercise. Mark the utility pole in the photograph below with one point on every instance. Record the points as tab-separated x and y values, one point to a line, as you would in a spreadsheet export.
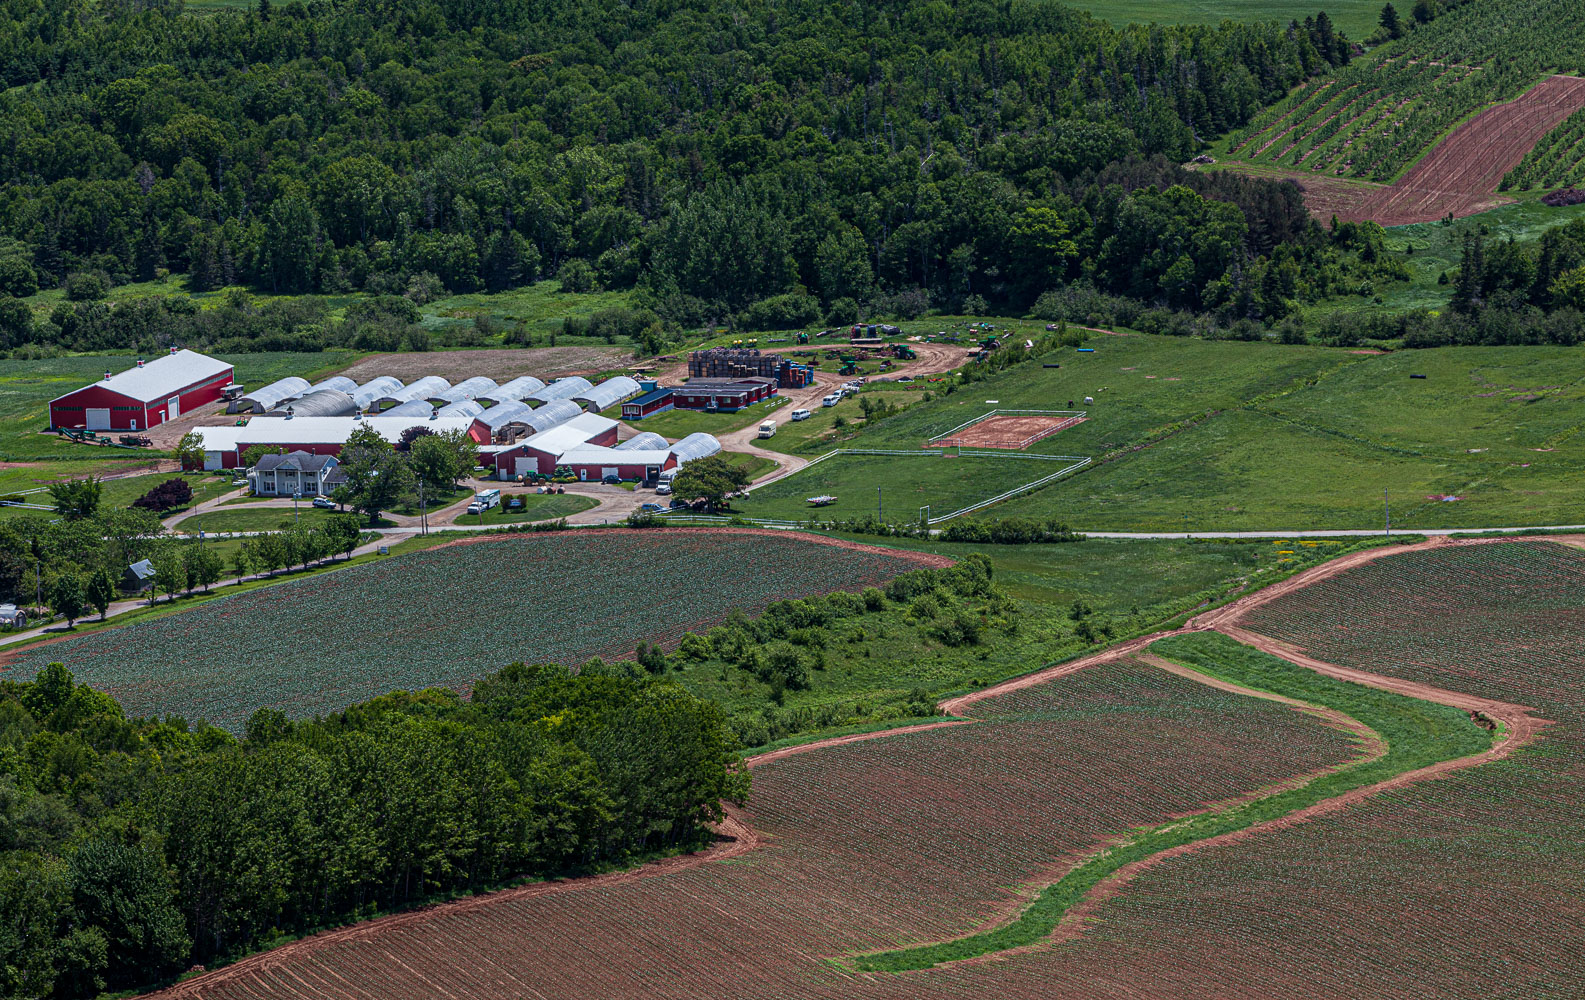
879	514
423	511
296	495
1185	527
1387	506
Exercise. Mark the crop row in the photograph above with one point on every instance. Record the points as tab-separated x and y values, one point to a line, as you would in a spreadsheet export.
444	616
869	845
1558	160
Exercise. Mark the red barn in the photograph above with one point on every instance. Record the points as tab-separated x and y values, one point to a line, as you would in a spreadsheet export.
145	396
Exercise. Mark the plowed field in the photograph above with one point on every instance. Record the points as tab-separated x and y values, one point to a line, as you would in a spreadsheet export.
1461	173
867	845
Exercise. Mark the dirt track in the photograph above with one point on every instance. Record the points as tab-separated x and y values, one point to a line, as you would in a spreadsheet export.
499	363
738	838
1461	173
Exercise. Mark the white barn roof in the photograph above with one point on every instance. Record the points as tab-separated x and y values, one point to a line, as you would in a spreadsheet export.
317	430
594	455
562	388
162	377
574	433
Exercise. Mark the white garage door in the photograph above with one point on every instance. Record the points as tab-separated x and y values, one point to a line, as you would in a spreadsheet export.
99	420
212	461
173	408
523	466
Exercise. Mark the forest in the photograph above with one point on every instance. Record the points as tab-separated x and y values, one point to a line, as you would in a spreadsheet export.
713	155
131	849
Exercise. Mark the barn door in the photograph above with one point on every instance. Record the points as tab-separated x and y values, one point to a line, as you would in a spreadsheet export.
173	408
99	420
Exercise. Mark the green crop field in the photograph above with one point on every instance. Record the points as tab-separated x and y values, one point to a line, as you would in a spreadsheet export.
445	615
1228	436
1356	18
1378	115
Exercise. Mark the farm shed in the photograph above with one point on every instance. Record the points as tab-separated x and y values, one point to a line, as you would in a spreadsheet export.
722	394
648	439
542	452
650	403
593	462
340	382
562	388
294	472
427	388
421	408
269	397
223	445
377	390
324	403
461	408
514	390
607	394
144	396
471	388
138	577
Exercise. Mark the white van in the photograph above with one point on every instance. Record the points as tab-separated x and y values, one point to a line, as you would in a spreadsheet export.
800	415
832	400
767	429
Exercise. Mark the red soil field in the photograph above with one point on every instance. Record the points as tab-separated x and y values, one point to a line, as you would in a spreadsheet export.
1007	432
1461	173
866	845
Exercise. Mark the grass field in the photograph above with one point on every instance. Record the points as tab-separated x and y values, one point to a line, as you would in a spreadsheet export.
536	507
256	519
676	424
121	492
1355	18
866	484
1227	436
444	616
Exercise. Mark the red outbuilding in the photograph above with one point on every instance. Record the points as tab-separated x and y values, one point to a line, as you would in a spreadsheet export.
144	396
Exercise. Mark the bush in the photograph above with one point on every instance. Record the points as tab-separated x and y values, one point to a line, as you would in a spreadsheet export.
843	312
577	276
1009	531
874	600
781	312
85	286
165	496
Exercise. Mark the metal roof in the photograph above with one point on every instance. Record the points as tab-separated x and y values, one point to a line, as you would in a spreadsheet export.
608	393
501	414
595	455
574	433
653	395
155	380
341	382
696	445
428	387
411	408
516	389
317	430
270	396
562	388
648	439
375	389
301	461
324	403
462	408
557	411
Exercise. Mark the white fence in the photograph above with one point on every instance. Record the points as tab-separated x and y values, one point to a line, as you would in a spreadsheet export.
1073	417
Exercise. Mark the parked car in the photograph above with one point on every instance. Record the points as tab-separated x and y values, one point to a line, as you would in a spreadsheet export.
651	508
799	415
612	480
239	481
663	490
832	399
324	503
679	504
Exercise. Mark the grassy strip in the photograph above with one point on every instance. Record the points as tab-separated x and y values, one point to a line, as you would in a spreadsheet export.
1418	733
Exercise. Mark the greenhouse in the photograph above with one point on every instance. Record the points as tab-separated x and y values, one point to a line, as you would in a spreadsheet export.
608	393
696	445
556	412
411	408
376	390
324	403
647	440
268	397
339	382
514	390
565	388
461	408
428	387
471	388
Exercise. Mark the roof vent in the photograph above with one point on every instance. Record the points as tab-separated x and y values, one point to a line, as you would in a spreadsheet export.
107	376
140	362
434	414
289	412
175	349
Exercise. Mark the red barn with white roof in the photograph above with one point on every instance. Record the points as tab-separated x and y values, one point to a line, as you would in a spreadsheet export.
145	396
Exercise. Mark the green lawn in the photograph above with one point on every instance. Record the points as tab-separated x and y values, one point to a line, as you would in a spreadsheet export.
121	492
906	483
754	465
1356	18
820	433
1236	436
536	507
254	519
674	425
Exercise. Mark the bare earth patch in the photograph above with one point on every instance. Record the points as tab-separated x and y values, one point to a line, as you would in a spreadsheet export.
1010	432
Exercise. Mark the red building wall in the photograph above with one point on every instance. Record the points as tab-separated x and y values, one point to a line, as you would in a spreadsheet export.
126	413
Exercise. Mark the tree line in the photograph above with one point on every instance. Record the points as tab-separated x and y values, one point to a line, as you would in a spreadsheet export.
710	155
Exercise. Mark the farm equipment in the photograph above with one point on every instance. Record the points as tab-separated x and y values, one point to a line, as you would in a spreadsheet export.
850	366
803	338
903	352
137	441
822	501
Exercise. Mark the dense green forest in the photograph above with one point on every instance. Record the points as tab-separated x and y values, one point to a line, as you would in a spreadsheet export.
131	849
713	154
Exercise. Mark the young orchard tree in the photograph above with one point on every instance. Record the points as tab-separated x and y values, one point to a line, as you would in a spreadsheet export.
67	598
189	452
101	591
710	479
76	499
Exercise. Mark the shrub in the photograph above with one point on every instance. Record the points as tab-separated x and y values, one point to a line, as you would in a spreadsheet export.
781	312
85	286
165	496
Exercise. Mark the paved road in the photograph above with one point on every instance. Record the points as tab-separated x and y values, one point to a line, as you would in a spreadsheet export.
1321	532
